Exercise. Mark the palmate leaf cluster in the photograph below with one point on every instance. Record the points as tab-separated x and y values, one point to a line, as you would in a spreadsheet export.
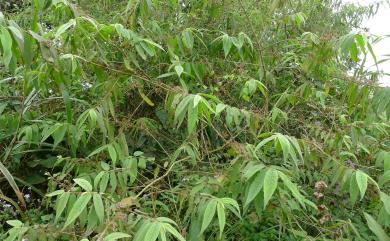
191	120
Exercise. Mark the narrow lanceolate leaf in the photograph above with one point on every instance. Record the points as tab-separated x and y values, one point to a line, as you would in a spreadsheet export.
386	201
153	232
208	214
285	145
61	204
221	217
233	203
99	206
173	231
6	41
78	208
376	228
116	236
84	184
112	153
270	184
255	187
361	179
65	27
192	118
55	193
227	44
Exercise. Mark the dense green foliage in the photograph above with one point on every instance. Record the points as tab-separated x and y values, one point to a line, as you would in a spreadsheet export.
191	120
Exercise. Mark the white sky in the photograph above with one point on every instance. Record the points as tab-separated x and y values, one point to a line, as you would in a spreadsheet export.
379	25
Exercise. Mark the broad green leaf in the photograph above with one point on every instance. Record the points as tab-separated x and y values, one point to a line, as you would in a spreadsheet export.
221	217
116	236
227	44
112	153
285	144
233	203
6	41
179	70
104	182
192	118
14	223
188	38
64	27
353	189
384	178
98	150
293	189
99	206
376	228
78	208
208	214
55	193
255	187
361	179
61	204
386	201
153	231
59	133
84	184
197	98
270	184
173	231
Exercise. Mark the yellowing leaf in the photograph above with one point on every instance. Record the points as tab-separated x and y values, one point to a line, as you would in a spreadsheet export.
145	98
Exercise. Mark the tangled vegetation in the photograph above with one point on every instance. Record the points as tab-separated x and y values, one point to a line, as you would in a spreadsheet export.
191	120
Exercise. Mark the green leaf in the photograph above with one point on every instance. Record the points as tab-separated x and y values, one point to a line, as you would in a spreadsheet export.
6	41
99	206
179	70
270	184
221	217
361	179
285	144
353	189
61	204
255	187
197	99
64	27
153	232
188	38
78	208
112	153
58	134
55	193
208	214
84	184
231	202
376	228
192	118
384	178
104	182
116	236
227	44
386	201
293	188
173	231
14	223
98	150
